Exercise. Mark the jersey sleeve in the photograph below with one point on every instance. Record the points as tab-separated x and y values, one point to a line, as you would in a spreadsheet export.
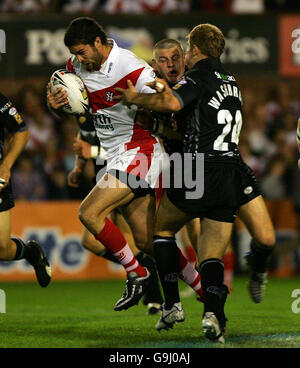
187	90
147	75
10	118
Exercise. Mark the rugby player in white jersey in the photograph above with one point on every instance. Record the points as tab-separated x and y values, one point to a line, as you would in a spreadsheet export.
132	153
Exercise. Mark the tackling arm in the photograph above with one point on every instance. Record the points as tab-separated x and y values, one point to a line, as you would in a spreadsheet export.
164	101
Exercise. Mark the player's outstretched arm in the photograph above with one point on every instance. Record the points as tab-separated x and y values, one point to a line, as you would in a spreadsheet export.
164	101
15	147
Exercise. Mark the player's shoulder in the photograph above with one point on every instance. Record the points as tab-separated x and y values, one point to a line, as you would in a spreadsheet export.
73	64
131	61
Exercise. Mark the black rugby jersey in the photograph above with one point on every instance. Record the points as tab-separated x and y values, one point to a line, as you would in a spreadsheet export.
211	115
9	119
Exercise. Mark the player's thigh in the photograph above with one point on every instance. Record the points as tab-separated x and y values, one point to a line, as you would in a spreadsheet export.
108	194
169	219
213	239
255	216
5	228
139	215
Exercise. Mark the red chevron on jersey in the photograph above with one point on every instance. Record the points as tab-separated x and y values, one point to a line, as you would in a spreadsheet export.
70	66
103	98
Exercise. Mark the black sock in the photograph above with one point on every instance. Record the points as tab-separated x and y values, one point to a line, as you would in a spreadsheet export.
153	293
21	248
260	255
167	263
212	278
108	255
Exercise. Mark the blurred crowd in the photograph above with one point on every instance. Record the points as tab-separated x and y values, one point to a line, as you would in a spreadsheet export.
267	144
145	6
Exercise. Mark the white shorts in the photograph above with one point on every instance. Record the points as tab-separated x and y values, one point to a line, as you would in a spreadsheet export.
139	164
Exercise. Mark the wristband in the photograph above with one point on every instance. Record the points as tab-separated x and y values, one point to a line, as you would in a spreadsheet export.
102	154
94	151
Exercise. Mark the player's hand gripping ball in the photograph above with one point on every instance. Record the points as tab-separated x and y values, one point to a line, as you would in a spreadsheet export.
75	88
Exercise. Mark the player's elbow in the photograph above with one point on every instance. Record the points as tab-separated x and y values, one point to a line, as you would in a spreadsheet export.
173	105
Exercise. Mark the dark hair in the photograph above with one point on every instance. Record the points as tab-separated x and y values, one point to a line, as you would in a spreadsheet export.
208	38
84	31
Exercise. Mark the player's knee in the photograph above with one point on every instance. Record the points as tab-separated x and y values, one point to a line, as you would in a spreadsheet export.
268	239
5	245
86	217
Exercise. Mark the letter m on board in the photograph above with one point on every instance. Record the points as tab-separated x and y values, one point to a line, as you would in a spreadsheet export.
2	42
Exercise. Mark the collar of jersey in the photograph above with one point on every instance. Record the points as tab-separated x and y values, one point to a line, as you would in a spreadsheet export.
107	67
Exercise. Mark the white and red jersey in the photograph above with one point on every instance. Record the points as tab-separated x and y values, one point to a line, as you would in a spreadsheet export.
114	122
121	139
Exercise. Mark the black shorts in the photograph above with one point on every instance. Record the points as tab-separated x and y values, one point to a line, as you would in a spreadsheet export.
227	186
6	199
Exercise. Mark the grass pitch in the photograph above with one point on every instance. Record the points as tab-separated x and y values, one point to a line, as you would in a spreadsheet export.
81	315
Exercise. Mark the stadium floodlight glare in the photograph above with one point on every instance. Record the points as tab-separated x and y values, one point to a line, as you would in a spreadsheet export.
2	42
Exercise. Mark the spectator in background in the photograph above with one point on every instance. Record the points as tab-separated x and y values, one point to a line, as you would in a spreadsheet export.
211	5
39	121
280	102
78	6
273	184
256	164
287	5
248	6
27	182
259	143
68	131
141	6
20	6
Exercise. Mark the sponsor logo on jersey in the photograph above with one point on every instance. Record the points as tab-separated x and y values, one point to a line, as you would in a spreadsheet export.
248	190
180	83
5	107
108	96
109	67
12	111
18	118
224	77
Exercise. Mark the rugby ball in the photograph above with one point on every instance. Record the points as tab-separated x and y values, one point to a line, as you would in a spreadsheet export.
77	93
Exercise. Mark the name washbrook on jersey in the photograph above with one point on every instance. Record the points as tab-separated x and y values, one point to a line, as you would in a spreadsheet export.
224	91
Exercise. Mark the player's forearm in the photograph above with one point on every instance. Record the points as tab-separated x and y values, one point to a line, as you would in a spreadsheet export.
162	102
15	147
80	163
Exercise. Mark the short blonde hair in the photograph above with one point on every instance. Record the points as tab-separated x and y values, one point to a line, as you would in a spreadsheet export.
167	43
208	38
